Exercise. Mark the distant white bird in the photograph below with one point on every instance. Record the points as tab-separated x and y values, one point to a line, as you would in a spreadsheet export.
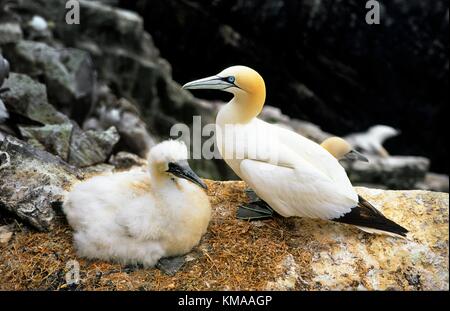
138	217
371	142
38	23
305	180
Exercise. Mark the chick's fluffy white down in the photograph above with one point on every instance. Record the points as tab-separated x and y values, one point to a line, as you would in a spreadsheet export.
124	217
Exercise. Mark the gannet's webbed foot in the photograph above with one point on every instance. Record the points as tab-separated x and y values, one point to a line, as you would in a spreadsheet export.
254	211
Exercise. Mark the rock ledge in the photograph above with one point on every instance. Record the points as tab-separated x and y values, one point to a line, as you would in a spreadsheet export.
278	254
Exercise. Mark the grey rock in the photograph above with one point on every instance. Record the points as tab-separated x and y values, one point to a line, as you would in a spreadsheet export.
10	32
33	182
134	134
55	138
68	74
123	115
28	97
394	172
434	182
4	131
4	69
97	169
126	59
3	112
172	265
91	147
125	160
128	62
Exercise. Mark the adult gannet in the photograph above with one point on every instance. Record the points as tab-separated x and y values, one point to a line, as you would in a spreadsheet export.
258	209
136	217
371	142
293	174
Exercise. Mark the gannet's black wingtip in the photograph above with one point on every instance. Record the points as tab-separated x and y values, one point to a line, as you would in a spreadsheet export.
366	216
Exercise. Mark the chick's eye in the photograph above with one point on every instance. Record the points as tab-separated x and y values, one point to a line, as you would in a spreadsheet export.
231	79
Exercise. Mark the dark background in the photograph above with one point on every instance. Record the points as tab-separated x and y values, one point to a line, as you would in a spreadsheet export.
321	61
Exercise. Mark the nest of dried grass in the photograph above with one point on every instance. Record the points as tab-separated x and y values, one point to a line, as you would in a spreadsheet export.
233	255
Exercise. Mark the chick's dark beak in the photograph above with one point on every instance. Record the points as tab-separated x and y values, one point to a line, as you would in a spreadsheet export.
181	169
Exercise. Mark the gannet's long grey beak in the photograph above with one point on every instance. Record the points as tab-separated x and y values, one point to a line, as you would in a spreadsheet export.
209	83
181	169
354	155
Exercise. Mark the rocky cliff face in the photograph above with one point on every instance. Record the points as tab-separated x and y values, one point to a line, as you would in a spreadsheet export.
279	254
104	72
33	182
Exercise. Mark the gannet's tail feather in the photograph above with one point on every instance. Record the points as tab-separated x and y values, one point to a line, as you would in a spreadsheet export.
369	219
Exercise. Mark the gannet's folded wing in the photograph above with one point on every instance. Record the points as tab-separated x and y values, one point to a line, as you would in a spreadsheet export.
301	191
315	155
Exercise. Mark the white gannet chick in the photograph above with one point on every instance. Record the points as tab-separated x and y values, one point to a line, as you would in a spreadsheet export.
305	180
371	142
340	149
138	217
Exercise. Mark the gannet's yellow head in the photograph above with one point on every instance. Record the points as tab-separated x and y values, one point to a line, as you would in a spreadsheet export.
340	148
244	83
235	79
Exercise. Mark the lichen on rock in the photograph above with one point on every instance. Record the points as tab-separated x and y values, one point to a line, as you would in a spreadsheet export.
33	182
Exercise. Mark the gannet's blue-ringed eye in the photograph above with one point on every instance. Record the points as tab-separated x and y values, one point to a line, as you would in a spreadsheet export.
231	79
